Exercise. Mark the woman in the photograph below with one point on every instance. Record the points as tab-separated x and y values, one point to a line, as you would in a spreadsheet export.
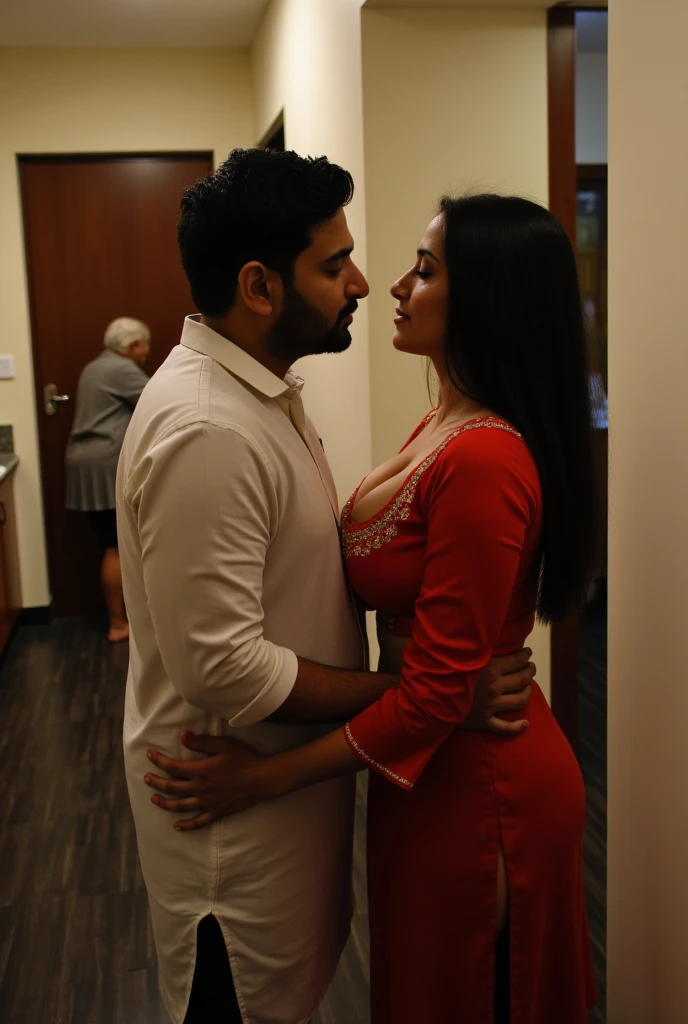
108	390
484	518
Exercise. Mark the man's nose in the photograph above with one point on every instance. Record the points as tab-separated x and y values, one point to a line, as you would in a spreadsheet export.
358	288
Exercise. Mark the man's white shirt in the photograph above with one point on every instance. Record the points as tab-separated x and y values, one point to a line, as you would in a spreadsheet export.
231	561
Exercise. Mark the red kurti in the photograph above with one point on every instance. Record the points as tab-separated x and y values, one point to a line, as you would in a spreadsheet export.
452	559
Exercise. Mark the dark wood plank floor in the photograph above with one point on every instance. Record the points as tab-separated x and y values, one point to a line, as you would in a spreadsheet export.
592	754
75	938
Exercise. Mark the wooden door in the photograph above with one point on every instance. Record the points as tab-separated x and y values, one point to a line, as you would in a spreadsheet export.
100	237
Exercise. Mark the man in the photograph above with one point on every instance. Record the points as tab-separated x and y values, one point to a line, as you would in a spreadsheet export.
237	596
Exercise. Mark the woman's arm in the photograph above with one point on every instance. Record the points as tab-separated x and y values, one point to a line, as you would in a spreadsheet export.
234	778
479	499
479	509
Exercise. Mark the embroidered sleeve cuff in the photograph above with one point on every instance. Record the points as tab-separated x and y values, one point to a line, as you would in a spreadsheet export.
392	742
389	773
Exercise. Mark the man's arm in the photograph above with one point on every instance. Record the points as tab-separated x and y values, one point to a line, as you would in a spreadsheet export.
206	507
324	694
204	534
329	694
213	786
207	510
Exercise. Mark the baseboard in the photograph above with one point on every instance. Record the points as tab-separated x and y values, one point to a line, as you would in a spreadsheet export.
38	616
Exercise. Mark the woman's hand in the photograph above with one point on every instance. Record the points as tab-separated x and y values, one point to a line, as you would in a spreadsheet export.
225	782
233	777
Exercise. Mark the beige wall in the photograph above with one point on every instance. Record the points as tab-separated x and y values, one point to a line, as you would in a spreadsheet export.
648	497
306	59
452	100
96	100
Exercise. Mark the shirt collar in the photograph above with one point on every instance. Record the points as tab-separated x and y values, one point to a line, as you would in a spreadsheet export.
200	338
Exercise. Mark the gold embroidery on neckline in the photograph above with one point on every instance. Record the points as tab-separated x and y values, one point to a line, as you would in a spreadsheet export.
359	539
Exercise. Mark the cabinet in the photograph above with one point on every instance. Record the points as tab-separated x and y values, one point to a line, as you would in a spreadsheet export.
10	587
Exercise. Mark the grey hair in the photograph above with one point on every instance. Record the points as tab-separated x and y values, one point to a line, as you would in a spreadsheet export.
124	332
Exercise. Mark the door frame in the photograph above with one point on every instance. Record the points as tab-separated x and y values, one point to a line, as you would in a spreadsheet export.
274	137
23	160
561	95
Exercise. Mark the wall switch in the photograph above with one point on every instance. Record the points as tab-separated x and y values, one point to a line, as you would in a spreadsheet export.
6	367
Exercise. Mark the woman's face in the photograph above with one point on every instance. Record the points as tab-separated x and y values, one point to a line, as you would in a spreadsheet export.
422	296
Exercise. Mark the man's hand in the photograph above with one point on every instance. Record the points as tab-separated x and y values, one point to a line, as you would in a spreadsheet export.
503	686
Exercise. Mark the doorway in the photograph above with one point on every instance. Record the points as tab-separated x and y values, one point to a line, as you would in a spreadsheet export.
100	239
591	257
577	47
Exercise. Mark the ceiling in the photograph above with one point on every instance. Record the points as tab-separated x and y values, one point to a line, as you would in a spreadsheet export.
129	22
474	4
482	4
181	22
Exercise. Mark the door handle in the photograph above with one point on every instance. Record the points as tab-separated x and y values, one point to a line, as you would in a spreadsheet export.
51	399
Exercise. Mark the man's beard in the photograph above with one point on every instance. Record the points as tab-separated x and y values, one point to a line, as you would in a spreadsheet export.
302	330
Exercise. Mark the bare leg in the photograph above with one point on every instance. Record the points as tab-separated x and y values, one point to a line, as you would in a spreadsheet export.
111	580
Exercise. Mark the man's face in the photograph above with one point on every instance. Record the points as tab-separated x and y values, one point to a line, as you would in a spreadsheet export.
318	306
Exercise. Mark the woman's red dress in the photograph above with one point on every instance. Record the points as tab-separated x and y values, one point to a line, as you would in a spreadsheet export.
452	560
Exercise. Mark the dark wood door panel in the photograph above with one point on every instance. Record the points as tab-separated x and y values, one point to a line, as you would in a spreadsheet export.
100	243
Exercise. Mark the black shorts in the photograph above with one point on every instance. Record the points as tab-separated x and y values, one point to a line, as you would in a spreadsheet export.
104	524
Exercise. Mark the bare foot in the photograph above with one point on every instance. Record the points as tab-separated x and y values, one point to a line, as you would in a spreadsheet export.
118	633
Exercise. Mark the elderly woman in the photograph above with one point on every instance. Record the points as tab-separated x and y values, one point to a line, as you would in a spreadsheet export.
108	390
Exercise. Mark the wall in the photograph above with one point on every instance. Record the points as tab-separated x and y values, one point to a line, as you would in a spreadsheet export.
648	541
591	108
306	59
93	100
453	99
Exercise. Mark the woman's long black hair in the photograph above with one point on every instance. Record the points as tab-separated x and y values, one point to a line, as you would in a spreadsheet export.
516	343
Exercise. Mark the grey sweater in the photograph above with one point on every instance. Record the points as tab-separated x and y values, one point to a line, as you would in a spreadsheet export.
108	390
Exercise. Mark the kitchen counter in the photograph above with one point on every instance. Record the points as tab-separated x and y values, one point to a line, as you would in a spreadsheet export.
8	464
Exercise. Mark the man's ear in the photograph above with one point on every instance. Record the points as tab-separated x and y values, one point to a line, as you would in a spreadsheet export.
260	289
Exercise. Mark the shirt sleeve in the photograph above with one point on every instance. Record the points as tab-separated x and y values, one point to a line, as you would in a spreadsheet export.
479	499
206	508
130	382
